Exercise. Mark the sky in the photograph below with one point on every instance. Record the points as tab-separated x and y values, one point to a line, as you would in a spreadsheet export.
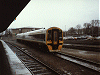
59	13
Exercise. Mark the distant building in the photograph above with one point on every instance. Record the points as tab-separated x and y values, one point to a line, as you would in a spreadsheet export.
16	31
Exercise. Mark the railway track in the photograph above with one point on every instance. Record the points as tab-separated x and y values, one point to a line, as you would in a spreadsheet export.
93	66
35	66
80	61
94	48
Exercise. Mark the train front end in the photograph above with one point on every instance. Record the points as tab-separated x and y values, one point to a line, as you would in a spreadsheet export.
54	39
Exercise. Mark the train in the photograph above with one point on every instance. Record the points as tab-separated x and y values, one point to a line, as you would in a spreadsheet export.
50	40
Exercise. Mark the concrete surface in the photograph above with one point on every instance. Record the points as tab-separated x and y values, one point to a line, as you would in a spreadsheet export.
16	65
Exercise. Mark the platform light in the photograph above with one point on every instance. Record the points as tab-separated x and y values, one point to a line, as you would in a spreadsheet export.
14	19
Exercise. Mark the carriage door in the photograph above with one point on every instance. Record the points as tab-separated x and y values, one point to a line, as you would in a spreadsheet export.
55	39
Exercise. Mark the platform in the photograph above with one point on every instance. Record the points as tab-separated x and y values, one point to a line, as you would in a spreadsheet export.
17	67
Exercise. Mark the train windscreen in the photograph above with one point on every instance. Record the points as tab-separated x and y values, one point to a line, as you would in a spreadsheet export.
55	36
49	35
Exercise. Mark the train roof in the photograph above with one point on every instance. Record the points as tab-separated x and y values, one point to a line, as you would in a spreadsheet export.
40	31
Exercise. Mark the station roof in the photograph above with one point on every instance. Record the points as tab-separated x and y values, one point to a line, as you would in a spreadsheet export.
9	11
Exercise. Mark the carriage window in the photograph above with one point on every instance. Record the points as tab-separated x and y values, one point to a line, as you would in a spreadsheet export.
49	35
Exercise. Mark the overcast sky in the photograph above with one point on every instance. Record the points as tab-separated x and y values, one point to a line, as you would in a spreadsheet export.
48	13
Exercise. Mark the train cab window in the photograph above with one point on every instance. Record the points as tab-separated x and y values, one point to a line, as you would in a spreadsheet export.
60	35
49	35
55	36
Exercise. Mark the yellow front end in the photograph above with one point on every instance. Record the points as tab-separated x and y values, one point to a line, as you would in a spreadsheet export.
54	39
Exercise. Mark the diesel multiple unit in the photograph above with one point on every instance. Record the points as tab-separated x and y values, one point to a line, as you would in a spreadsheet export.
50	39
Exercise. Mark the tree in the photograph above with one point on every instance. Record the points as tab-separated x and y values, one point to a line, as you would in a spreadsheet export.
72	31
8	32
87	25
95	27
92	29
87	28
78	28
